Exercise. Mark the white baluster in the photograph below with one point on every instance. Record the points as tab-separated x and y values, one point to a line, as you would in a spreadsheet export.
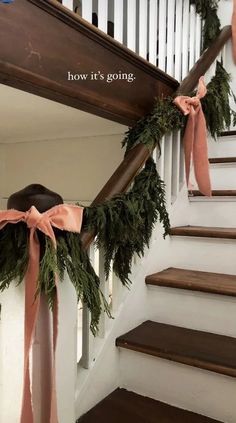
170	37
153	32
143	16
155	154
104	286
161	159
198	42
87	336
168	168
181	166
69	4
79	330
117	293
162	35
87	10
131	24
87	340
175	164
223	54
102	15
178	39
118	20
185	39
192	35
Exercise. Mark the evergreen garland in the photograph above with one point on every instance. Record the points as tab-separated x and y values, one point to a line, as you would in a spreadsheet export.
216	104
166	117
207	9
124	224
163	119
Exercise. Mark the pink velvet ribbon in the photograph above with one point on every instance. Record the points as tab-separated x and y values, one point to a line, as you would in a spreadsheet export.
64	217
195	139
234	31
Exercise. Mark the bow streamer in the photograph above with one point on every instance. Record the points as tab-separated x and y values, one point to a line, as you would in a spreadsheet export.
195	138
63	217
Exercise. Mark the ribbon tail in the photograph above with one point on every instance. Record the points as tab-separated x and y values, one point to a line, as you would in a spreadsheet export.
200	155
54	414
31	314
188	146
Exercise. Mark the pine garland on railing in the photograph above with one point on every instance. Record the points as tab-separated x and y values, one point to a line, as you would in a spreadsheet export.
166	117
216	104
124	224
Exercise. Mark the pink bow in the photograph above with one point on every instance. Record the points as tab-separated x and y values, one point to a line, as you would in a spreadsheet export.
64	217
195	138
234	31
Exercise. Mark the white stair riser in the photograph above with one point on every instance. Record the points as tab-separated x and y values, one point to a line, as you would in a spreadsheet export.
223	177
206	254
190	388
210	213
194	310
223	147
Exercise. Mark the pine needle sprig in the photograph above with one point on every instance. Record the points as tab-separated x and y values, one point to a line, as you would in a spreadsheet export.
14	254
47	269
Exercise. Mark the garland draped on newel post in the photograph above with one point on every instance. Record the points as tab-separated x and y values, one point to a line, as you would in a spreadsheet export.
64	217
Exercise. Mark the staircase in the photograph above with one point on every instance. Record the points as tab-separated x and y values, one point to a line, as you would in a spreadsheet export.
184	356
176	361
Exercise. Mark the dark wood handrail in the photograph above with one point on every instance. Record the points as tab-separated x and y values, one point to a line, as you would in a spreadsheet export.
136	157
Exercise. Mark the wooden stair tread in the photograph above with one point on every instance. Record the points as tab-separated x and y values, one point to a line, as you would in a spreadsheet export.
128	407
214	160
205	350
194	280
204	231
215	193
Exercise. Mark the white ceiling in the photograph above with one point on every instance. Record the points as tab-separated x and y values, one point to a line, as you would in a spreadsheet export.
26	117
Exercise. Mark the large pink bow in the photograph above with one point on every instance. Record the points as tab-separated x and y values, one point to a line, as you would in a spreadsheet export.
195	138
64	217
234	31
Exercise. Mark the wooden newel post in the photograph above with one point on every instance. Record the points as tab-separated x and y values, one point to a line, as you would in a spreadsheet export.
34	195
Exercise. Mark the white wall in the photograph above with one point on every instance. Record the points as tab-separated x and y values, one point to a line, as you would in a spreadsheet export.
76	168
